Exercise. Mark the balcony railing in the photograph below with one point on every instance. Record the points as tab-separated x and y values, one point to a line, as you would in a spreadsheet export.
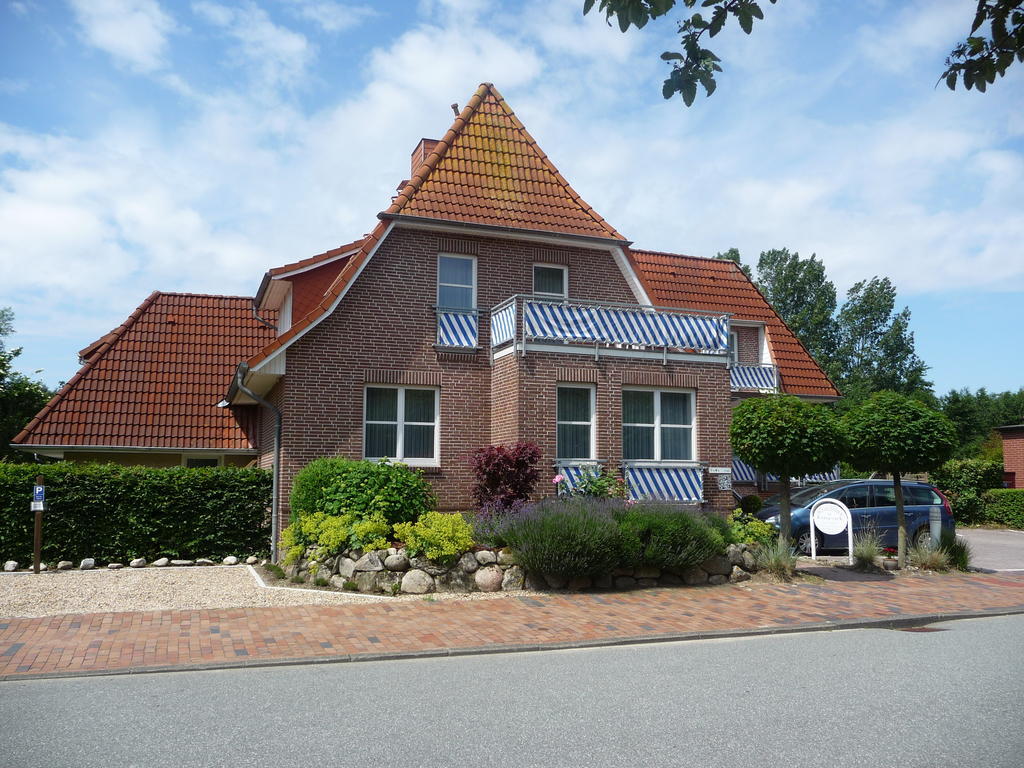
456	328
533	319
754	377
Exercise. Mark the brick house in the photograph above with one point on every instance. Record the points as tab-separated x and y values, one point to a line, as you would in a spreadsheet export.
1013	455
489	304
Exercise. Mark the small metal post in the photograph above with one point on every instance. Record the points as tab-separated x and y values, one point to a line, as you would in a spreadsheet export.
37	533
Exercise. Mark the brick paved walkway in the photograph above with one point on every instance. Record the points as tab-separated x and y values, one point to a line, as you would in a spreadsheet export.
147	641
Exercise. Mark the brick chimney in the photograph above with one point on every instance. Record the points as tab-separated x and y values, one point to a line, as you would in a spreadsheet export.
419	155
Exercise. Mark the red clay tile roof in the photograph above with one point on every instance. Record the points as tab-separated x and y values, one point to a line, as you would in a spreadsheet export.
313	260
675	280
489	170
155	380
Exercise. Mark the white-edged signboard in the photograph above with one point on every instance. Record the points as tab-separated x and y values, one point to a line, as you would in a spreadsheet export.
831	517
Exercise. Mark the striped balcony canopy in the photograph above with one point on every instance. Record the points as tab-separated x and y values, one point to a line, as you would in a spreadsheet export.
665	483
456	328
754	377
573	474
609	325
503	324
744	473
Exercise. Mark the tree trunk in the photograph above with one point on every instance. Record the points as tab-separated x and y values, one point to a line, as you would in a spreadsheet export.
785	521
901	523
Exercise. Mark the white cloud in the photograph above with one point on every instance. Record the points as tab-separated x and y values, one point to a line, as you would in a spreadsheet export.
332	16
134	32
11	85
925	29
279	54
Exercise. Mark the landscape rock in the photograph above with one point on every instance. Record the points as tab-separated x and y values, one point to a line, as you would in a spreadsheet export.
670	580
513	578
138	562
576	583
489	578
65	565
396	562
11	565
738	575
717	579
417	582
386	580
717	565
230	560
468	562
163	562
338	581
647	583
506	557
115	566
749	563
735	554
455	580
43	567
695	576
554	581
182	563
204	561
624	582
646	572
534	581
346	567
87	564
604	581
366	581
429	566
369	562
251	560
485	557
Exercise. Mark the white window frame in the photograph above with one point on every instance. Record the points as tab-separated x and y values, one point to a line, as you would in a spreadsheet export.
734	348
591	389
657	426
218	457
400	425
565	280
471	259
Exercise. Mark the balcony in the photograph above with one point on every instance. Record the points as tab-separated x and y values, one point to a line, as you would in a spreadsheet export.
626	328
754	378
457	329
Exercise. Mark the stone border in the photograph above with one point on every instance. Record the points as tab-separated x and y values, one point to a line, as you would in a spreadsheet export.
260	583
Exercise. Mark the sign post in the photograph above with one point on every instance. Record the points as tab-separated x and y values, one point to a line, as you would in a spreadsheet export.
831	517
38	505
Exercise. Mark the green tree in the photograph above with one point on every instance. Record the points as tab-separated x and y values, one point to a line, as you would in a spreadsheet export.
805	298
20	397
975	415
875	349
978	59
733	255
785	436
897	434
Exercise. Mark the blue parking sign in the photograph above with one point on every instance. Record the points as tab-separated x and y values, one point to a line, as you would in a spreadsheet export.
38	493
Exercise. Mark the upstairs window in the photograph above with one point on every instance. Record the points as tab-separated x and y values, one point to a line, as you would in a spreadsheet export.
657	425
456	282
401	423
575	436
734	347
550	280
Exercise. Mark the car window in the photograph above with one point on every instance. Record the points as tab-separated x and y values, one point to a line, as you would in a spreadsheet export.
885	496
919	495
856	497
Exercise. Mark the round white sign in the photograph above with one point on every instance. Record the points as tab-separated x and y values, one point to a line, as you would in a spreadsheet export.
830	517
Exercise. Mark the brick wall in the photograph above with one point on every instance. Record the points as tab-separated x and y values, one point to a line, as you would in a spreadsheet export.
749	343
1013	455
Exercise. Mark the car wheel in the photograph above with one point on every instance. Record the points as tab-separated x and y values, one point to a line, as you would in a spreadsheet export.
922	537
803	542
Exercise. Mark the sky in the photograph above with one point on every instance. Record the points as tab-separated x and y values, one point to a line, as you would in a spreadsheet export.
189	146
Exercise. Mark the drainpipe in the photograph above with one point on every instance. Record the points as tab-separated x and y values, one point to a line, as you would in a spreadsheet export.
256	314
240	373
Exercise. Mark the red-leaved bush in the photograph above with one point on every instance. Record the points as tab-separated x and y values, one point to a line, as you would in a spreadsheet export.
505	475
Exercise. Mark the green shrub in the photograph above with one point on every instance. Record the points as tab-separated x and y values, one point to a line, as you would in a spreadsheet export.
113	512
605	484
665	536
867	547
747	529
320	581
928	558
565	538
439	536
957	550
751	504
964	481
778	558
1005	506
291	544
275	570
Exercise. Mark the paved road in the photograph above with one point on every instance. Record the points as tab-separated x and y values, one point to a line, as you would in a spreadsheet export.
852	698
996	550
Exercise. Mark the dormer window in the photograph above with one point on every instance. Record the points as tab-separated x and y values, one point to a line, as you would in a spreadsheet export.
734	348
551	280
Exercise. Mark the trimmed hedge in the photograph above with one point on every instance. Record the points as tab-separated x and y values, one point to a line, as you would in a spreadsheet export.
114	513
964	481
1005	506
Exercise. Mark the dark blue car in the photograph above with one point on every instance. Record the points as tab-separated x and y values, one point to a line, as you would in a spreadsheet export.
872	503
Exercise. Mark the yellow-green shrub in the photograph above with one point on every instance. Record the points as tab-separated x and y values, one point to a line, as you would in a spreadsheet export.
437	535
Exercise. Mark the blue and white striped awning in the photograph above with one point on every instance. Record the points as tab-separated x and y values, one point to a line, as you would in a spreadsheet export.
456	328
574	474
503	325
665	483
743	472
569	322
753	377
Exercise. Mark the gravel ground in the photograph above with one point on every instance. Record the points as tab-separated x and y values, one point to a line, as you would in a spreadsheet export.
151	589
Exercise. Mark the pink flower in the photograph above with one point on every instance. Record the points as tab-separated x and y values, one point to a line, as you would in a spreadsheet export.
557	479
630	502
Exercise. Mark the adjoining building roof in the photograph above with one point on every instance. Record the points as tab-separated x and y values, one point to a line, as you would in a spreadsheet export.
155	380
489	170
675	280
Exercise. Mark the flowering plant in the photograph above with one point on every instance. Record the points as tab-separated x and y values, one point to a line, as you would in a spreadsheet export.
890	552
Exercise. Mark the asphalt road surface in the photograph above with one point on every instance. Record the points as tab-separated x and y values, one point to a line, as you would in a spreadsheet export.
851	698
995	550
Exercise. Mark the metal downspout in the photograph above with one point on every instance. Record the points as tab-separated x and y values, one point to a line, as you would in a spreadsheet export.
240	373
